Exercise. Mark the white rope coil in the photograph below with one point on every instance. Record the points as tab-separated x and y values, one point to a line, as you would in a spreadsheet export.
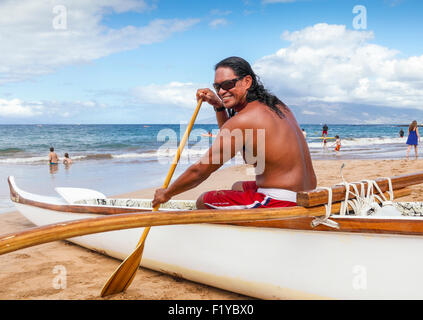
365	201
325	220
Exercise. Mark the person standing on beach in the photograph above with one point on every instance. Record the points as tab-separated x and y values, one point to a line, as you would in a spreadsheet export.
401	133
267	127
413	137
52	157
337	144
304	133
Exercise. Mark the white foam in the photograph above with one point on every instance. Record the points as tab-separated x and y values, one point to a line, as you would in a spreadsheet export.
351	142
24	160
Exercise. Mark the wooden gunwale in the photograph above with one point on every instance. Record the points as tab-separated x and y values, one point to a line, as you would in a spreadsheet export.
318	197
403	226
106	210
370	225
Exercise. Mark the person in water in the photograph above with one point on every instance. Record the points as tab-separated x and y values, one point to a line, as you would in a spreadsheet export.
413	137
52	157
325	144
325	130
67	160
266	127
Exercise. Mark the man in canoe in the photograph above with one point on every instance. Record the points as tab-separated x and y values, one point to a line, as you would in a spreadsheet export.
267	128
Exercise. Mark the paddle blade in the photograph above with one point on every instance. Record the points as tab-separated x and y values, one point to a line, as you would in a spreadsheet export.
124	274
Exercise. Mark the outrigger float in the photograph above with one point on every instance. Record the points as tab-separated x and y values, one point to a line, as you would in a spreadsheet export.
338	243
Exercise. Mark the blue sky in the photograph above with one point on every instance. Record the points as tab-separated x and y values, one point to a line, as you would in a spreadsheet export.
141	61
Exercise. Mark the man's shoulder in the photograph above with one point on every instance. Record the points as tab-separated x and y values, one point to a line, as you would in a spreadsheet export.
246	118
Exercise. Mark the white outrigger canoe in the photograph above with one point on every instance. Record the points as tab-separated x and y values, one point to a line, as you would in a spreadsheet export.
273	257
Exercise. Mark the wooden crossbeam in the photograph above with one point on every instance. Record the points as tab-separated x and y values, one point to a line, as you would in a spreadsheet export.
318	197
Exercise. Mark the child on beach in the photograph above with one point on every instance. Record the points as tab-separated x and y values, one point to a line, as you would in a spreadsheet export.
337	144
413	137
325	145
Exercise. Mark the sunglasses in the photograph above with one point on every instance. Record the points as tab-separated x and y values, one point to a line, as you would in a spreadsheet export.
226	85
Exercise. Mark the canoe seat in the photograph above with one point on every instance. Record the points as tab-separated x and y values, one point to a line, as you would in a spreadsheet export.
72	195
140	203
414	209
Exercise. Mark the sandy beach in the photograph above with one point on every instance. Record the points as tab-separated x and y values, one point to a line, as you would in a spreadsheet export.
30	273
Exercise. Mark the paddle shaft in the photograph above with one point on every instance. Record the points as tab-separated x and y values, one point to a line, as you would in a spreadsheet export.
65	230
125	273
175	162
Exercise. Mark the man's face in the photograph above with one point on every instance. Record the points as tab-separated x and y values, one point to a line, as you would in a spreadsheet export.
235	96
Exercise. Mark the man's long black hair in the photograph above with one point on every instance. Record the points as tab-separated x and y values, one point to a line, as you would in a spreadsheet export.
242	68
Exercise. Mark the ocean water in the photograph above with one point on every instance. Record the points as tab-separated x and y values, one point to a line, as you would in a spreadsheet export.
115	159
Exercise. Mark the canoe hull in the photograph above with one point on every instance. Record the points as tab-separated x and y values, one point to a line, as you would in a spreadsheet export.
267	263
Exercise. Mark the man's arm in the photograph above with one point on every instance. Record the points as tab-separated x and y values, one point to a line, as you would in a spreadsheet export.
227	143
210	97
221	116
188	180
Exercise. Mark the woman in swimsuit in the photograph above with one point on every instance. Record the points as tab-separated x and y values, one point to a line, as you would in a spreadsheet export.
413	137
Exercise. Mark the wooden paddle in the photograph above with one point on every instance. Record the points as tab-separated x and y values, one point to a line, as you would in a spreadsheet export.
124	274
65	230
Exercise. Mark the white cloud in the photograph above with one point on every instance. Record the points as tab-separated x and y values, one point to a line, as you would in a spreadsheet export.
277	1
308	112
330	64
19	108
218	22
220	12
32	44
174	93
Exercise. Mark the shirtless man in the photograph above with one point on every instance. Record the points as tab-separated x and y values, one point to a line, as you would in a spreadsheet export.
287	163
52	157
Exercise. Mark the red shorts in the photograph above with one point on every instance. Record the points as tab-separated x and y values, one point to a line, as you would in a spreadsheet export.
247	199
324	132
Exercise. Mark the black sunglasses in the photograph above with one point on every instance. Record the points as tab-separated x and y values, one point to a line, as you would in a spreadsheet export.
226	85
